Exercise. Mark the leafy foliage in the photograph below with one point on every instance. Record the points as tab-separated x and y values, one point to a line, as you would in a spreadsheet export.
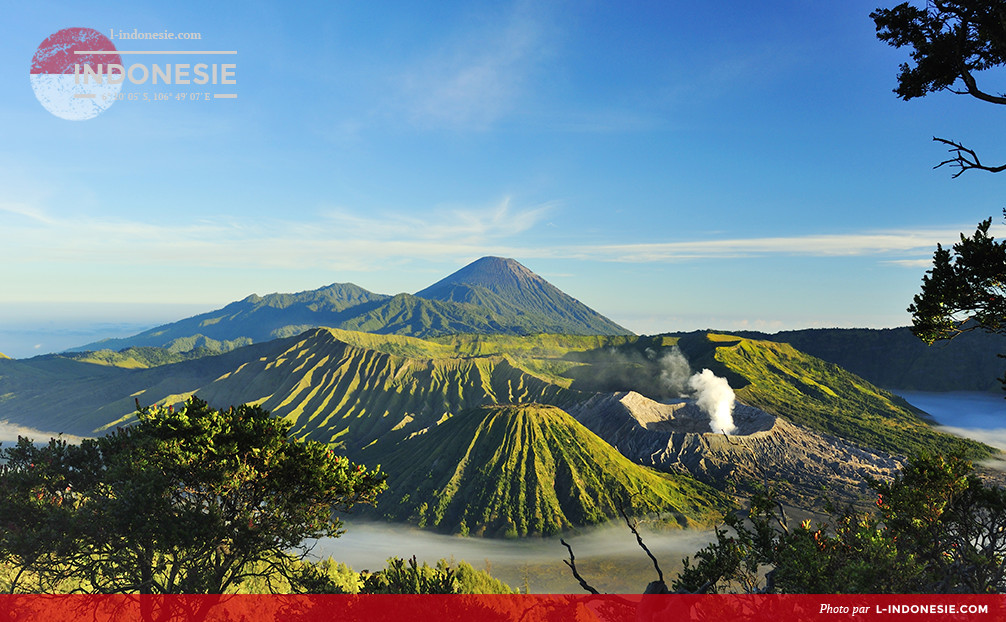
189	501
408	577
937	529
953	42
950	42
964	290
399	578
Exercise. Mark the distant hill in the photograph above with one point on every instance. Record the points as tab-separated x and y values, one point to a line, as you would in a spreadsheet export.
528	469
894	358
253	320
490	296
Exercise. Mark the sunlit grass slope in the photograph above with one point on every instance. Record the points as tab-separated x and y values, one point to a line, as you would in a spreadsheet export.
526	469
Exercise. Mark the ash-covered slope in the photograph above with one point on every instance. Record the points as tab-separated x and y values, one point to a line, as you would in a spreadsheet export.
528	469
510	290
676	438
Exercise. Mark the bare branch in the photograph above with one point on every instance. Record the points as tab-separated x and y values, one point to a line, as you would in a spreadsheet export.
571	562
639	539
964	159
977	93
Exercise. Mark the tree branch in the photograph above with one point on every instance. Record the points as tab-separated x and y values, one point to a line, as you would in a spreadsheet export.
964	159
639	539
571	562
977	93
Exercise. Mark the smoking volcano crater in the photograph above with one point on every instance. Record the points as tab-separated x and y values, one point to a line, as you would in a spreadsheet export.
686	416
677	436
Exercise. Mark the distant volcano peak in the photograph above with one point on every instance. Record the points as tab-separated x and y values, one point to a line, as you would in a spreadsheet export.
506	287
491	272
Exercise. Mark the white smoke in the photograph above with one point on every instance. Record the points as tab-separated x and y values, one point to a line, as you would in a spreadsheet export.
715	397
675	371
711	393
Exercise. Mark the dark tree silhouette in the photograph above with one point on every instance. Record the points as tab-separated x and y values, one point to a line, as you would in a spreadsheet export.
952	43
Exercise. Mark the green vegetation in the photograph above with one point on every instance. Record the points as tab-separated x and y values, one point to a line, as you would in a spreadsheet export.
894	358
937	529
141	357
824	397
398	577
189	501
526	470
401	577
964	291
491	296
335	392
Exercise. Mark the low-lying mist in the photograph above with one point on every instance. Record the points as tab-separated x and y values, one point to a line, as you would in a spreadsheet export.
9	432
608	557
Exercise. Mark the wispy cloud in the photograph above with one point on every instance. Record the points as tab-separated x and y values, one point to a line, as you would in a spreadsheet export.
909	263
345	239
458	225
474	80
25	210
878	243
339	238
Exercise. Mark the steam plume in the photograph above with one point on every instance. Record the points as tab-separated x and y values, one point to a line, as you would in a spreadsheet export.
675	371
714	396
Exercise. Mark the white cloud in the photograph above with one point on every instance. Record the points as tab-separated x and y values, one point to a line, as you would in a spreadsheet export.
879	243
909	263
23	209
459	225
42	248
338	239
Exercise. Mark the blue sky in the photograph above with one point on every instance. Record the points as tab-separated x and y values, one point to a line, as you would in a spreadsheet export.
673	165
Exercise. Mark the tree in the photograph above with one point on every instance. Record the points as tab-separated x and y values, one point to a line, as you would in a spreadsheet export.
189	501
964	290
937	529
952	43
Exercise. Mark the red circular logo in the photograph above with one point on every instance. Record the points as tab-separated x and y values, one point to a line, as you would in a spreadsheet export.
76	73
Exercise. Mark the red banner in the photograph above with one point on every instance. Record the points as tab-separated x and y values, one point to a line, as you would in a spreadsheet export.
533	608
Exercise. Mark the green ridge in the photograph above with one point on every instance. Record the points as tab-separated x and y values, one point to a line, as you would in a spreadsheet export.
335	391
895	358
526	469
822	396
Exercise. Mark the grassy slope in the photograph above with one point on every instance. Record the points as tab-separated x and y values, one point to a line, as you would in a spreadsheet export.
895	358
825	397
354	387
142	357
337	391
526	470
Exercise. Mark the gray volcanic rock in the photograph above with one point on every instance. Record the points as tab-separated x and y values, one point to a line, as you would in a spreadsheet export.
676	437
